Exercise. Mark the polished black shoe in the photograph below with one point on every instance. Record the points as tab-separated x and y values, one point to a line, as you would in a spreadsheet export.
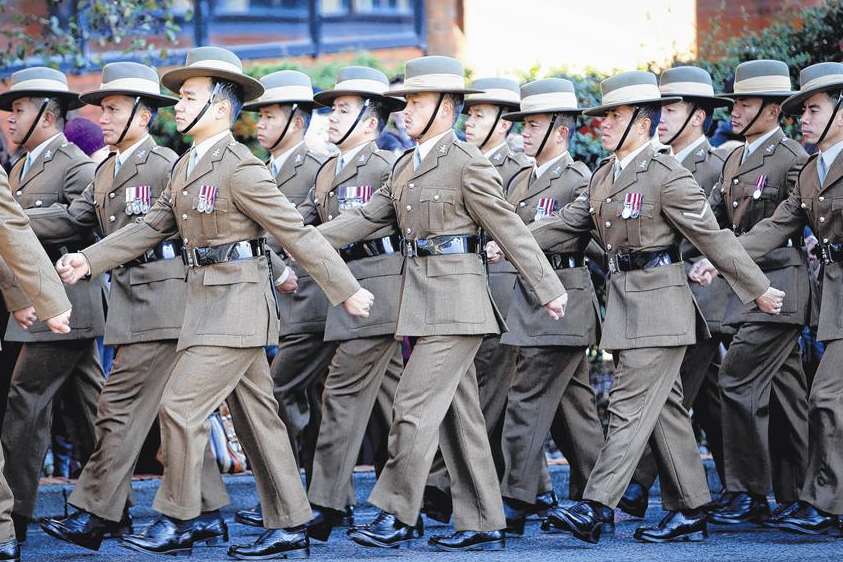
808	520
252	517
209	528
544	503
470	540
607	519
164	536
582	519
21	525
741	508
635	500
782	510
274	543
324	520
85	529
386	531
437	504
676	526
10	550
515	512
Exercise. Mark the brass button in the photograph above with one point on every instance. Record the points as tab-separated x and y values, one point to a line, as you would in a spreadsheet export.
184	217
804	206
522	204
608	200
112	218
409	207
734	227
330	217
436	197
184	192
821	198
411	185
331	194
608	224
822	219
39	203
409	230
735	181
18	192
825	240
608	246
111	195
735	204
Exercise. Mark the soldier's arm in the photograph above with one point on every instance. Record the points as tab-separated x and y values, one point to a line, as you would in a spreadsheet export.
772	232
307	208
61	223
484	200
13	295
686	208
78	178
256	195
563	231
358	224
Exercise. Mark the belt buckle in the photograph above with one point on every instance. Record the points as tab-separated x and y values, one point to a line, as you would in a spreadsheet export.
613	264
191	258
410	247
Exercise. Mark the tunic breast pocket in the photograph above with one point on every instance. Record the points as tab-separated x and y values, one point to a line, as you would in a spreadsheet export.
436	204
34	200
211	218
837	218
638	227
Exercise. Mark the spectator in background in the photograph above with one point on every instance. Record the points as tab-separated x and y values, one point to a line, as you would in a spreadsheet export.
87	135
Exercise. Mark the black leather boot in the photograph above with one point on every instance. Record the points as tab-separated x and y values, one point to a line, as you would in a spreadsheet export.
386	531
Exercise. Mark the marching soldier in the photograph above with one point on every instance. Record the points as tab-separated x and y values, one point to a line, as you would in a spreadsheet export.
640	203
495	363
552	367
28	281
146	299
368	362
683	125
302	360
764	357
441	194
220	200
816	202
52	171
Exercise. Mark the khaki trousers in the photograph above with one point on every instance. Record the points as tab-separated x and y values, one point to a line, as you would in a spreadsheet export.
128	406
204	376
7	528
437	404
42	369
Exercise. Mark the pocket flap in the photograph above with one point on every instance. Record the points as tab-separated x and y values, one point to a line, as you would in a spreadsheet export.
655	278
160	270
233	272
438	195
459	264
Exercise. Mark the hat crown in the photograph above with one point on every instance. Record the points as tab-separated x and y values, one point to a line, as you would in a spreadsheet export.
39	73
362	73
761	67
627	79
496	84
547	86
820	70
686	74
218	54
434	64
120	70
283	78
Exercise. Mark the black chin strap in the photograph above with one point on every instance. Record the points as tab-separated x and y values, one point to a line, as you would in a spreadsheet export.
546	134
492	128
366	103
764	103
35	122
286	127
831	119
628	128
432	116
129	122
207	106
694	108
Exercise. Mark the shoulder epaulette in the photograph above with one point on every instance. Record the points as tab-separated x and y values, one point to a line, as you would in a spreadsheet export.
580	167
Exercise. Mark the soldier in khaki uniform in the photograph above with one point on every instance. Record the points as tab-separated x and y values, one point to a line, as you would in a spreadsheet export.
764	388
367	364
29	283
495	363
146	308
220	200
641	203
440	195
52	171
816	202
552	368
683	125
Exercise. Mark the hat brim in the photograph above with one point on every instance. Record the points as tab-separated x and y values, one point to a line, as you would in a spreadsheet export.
505	103
793	104
309	105
173	79
95	97
772	95
710	101
70	99
602	109
521	115
327	97
407	91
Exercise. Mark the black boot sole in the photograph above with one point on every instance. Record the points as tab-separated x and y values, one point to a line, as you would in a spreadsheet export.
243	521
696	536
804	530
489	546
371	542
180	552
70	539
292	554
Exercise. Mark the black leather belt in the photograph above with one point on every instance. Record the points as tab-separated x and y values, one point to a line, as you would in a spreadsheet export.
166	250
565	261
246	249
829	253
441	245
631	261
370	248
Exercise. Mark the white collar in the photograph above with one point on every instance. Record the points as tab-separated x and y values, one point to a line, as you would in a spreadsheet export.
750	148
682	154
540	170
206	144
348	155
425	147
123	156
36	152
830	155
632	155
489	153
278	161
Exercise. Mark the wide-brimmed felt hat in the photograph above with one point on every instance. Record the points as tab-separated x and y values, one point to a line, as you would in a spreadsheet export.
213	62
364	82
495	91
39	81
693	84
821	77
284	87
635	88
762	78
444	75
129	79
550	95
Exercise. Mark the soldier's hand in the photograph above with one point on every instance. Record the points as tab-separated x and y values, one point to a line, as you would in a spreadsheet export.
493	252
556	308
73	267
25	317
290	285
703	272
59	324
771	301
359	303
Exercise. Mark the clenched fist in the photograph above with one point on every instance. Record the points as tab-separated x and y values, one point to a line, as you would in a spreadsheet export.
290	284
556	308
59	324
359	303
73	267
771	301
25	317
